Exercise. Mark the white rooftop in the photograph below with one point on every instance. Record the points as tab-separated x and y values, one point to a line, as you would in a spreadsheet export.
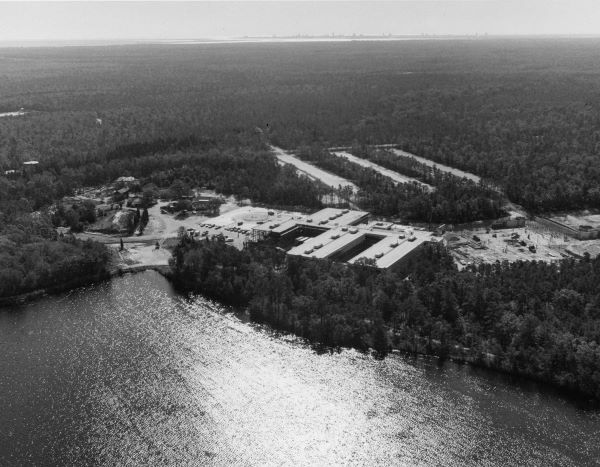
389	254
325	218
395	243
333	217
330	242
126	179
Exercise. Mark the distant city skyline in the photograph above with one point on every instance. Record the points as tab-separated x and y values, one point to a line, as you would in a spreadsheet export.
141	20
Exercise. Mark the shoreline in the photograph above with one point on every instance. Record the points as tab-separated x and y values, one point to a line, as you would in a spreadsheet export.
24	298
416	348
492	363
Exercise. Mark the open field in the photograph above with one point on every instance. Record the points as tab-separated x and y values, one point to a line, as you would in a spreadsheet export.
395	176
313	172
430	163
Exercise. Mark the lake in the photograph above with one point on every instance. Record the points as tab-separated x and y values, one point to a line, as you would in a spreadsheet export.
128	372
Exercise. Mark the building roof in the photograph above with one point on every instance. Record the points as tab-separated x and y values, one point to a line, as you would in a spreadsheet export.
327	218
340	239
337	217
391	255
329	244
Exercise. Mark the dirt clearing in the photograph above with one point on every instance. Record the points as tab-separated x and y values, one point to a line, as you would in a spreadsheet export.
313	172
395	176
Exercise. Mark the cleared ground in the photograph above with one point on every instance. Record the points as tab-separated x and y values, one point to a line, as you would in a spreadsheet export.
442	167
395	176
311	171
141	254
574	220
497	245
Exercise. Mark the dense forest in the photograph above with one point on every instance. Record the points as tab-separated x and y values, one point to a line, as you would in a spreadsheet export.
31	261
528	318
523	113
453	201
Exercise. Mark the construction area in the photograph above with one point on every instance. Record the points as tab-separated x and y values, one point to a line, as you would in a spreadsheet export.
533	242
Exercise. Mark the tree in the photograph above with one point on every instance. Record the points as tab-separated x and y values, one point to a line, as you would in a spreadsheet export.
72	219
147	198
380	340
179	188
364	261
145	218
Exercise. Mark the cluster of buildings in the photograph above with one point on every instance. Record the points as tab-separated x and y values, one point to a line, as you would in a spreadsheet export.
347	236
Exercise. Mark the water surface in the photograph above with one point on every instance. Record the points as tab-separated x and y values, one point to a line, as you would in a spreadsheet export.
129	373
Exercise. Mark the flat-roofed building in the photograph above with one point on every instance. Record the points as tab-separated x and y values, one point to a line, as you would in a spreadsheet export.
393	251
333	217
329	243
342	238
322	220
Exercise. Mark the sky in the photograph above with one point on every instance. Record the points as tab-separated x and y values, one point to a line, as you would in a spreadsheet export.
143	20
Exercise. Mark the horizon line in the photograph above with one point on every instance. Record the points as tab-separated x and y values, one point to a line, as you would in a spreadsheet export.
281	39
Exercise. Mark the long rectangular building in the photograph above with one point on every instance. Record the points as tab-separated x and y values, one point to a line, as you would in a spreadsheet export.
324	219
